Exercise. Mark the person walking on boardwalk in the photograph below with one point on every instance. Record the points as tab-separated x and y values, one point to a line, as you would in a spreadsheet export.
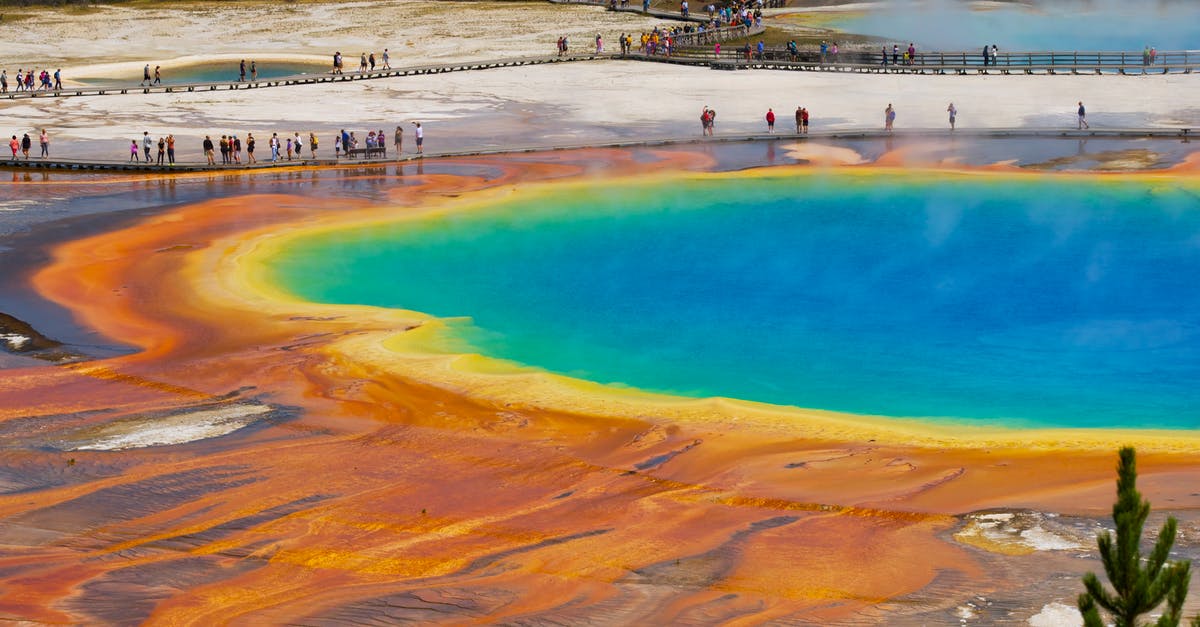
145	75
44	140
312	144
804	119
133	150
3	81
889	117
15	146
235	143
147	144
242	71
371	60
953	112
770	120
162	150
399	140
387	60
253	70
599	44
26	144
250	148
362	62
337	63
170	150
208	150
58	79
1082	112
799	118
157	75
420	135
274	147
986	53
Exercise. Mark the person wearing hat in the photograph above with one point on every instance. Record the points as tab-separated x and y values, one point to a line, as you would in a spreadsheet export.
420	134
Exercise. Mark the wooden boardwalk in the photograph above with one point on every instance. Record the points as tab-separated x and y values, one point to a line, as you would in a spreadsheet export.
305	79
82	166
961	63
956	63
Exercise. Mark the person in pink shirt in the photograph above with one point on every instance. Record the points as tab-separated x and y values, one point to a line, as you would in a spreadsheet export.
15	145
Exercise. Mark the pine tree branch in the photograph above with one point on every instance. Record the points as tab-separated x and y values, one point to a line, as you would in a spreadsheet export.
1162	548
1179	575
1091	615
1097	594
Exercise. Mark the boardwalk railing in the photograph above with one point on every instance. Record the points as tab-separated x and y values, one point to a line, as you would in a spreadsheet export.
301	79
714	35
1183	61
81	165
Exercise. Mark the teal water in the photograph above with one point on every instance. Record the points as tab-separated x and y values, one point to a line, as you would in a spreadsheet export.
1061	25
215	72
1027	302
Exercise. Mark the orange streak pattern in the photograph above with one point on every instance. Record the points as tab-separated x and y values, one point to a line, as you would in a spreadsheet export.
380	498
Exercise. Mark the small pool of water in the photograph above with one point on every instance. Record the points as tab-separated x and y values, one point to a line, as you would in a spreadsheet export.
1067	25
213	72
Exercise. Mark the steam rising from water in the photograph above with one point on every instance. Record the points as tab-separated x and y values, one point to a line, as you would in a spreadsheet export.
1083	25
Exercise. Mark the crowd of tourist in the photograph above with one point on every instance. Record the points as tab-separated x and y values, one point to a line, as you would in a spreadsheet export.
366	62
346	144
26	80
233	150
23	145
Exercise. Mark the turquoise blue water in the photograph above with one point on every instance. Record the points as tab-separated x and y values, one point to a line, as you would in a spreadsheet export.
1081	25
212	72
1028	302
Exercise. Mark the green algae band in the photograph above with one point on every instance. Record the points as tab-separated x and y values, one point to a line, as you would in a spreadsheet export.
1012	300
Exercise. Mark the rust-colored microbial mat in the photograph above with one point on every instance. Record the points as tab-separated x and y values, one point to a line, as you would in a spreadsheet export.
260	460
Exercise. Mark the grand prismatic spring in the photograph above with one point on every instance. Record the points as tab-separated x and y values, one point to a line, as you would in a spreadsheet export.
847	379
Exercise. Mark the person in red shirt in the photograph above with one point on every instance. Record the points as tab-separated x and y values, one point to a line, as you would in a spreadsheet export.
770	121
